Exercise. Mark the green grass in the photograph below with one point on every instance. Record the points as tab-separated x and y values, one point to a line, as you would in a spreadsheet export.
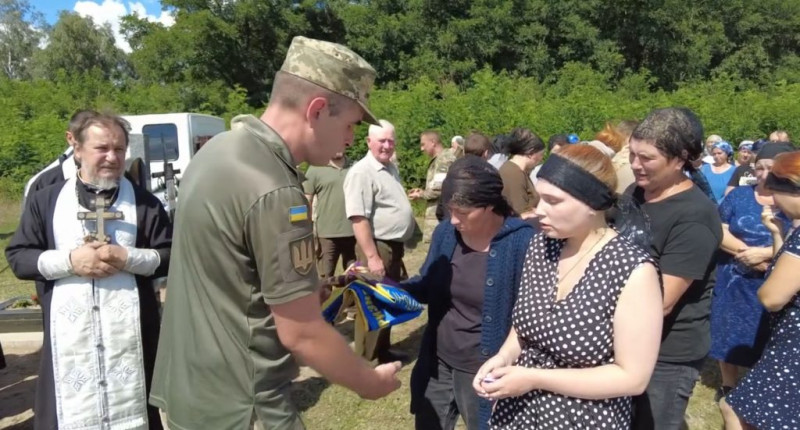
10	286
332	407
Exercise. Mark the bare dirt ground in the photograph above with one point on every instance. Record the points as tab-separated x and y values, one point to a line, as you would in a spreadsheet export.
17	387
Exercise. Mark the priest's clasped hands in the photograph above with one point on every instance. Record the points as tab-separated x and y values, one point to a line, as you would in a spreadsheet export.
98	259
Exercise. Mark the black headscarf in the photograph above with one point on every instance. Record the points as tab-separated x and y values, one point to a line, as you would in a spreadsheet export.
472	182
771	150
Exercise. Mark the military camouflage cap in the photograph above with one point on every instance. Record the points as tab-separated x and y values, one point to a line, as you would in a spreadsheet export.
333	67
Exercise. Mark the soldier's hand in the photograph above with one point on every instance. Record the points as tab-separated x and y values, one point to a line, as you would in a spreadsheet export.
114	255
86	262
375	266
414	194
385	381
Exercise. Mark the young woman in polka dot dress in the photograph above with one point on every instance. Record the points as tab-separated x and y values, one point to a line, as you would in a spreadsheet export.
768	397
587	322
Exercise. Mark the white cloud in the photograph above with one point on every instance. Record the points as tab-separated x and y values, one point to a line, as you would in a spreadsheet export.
112	11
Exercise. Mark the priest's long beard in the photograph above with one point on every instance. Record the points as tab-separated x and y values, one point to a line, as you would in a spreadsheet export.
99	183
106	184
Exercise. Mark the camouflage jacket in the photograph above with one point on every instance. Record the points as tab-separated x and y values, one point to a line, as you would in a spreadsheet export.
437	170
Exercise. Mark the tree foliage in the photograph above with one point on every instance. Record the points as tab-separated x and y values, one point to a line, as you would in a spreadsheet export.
21	30
77	46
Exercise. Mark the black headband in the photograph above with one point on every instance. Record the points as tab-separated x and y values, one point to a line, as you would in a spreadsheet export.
577	182
783	185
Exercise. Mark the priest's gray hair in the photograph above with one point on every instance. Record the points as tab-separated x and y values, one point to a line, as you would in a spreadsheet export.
107	120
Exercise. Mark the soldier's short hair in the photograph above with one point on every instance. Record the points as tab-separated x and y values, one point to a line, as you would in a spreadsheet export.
291	92
432	134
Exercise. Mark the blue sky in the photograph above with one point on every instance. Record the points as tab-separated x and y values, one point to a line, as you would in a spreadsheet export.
51	8
106	12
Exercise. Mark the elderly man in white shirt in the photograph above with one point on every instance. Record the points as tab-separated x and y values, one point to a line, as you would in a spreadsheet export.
376	204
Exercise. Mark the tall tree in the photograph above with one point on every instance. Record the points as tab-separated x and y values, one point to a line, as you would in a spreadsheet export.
21	30
76	45
136	28
670	42
238	43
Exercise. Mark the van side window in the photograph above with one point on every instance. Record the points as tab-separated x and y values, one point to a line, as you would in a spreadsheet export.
161	139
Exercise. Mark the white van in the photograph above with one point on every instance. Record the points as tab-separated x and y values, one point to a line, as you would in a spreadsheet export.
176	136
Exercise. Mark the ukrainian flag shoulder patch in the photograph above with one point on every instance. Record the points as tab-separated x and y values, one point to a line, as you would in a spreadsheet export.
298	213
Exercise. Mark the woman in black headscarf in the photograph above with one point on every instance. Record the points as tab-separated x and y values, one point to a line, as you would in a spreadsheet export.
469	282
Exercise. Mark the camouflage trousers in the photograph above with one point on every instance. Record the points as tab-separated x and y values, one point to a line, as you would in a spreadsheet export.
430	222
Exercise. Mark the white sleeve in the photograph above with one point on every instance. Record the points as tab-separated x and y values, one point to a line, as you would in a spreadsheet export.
358	197
54	264
142	262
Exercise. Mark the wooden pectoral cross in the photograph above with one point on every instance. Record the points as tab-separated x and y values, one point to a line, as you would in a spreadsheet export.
100	215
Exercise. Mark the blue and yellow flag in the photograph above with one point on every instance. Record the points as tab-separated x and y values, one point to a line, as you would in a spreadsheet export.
298	213
378	304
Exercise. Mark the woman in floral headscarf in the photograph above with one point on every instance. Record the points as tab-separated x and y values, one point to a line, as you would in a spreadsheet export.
719	172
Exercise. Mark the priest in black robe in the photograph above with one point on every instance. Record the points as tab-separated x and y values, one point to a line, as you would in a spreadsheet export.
93	244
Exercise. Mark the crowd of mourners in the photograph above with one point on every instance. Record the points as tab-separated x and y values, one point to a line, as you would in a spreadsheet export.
585	291
651	251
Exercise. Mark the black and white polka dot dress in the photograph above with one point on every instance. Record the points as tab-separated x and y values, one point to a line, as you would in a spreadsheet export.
768	397
576	332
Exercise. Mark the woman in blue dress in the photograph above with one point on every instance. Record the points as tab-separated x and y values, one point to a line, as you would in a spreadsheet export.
768	397
739	322
720	171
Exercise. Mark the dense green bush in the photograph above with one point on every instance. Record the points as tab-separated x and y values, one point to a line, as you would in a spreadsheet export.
554	66
34	114
579	101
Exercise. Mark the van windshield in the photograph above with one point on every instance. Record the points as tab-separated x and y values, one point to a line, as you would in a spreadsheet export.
161	139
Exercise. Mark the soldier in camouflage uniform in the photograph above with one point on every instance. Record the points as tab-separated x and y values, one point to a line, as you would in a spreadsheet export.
243	303
441	158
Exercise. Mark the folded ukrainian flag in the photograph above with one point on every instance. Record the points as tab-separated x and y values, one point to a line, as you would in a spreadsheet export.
378	303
